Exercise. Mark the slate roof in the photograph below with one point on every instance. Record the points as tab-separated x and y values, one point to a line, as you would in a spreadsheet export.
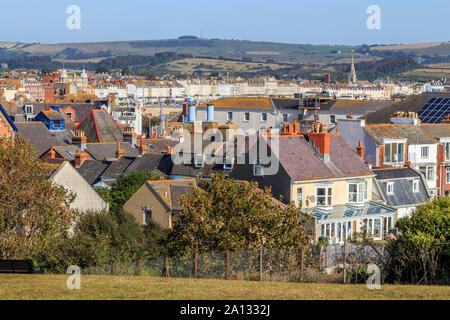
101	151
117	167
5	114
383	131
81	109
163	189
91	170
52	115
395	173
412	104
176	195
403	194
41	138
438	130
414	134
159	146
302	163
99	126
66	152
287	103
355	106
147	162
241	102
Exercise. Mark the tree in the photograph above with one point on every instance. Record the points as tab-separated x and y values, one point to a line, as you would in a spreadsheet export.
126	71
421	253
125	186
226	214
34	212
102	69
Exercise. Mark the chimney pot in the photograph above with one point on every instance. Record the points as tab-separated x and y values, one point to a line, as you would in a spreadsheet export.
360	150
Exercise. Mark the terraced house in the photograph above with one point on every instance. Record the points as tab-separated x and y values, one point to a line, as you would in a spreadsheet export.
253	113
323	175
394	144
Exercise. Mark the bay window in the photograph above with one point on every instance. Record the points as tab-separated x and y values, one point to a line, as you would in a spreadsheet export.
394	152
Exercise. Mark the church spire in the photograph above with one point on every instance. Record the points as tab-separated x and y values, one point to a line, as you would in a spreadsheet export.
352	73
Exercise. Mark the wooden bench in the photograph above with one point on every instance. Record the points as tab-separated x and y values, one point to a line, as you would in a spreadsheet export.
19	266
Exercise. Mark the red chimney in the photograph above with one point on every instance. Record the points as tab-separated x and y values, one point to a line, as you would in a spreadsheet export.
52	153
321	138
360	150
185	109
80	157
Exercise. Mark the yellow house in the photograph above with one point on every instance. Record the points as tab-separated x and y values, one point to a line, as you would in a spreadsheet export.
323	175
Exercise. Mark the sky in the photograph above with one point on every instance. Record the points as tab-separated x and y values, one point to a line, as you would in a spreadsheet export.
287	21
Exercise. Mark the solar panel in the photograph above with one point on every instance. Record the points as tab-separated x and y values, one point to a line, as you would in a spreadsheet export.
434	110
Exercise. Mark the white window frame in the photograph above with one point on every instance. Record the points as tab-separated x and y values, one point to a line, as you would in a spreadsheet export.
447	151
361	192
328	196
29	107
298	201
430	173
262	117
447	174
245	116
146	214
283	116
390	188
393	157
229	115
415	185
424	152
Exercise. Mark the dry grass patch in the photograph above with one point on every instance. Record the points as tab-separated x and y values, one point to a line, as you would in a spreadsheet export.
119	287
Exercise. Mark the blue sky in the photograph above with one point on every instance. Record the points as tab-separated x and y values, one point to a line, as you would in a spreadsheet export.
291	21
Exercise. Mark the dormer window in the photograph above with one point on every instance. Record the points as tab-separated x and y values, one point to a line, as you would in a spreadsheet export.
390	188
29	109
415	185
394	152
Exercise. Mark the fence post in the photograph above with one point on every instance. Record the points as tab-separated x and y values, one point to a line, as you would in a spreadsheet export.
345	273
167	267
90	269
113	268
139	267
228	264
302	254
260	263
195	264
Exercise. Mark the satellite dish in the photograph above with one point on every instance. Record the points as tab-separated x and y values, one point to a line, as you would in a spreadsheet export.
312	198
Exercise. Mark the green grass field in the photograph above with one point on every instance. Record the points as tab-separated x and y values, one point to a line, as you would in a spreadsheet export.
118	287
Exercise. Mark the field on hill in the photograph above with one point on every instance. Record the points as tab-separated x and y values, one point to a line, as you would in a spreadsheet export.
210	65
119	287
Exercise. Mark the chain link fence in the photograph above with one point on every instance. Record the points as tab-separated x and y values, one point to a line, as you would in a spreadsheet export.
311	264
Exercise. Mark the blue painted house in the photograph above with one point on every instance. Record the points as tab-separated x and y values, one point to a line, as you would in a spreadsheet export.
52	119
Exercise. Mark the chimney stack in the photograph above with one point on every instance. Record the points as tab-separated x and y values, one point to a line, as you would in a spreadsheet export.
320	139
142	149
360	150
80	157
79	139
120	152
52	153
129	136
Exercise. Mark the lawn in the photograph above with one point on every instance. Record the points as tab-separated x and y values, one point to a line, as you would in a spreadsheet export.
121	287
